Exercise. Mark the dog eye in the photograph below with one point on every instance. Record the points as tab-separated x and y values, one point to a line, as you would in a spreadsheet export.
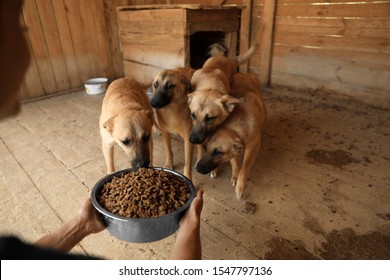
126	142
217	152
155	84
169	85
193	116
145	138
208	119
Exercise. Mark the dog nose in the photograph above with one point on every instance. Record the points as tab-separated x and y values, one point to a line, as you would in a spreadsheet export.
201	168
194	139
142	163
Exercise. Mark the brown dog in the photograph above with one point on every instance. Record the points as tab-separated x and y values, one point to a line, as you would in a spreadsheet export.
210	103
127	119
169	101
239	134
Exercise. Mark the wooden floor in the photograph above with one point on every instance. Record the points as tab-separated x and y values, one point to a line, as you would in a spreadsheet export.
320	188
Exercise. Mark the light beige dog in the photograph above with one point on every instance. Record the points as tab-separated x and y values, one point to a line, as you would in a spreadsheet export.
127	119
239	135
169	101
210	103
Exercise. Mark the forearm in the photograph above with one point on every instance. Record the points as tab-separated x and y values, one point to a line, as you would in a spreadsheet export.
66	237
187	245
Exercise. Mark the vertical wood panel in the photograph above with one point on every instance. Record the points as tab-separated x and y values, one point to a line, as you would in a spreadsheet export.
38	46
53	44
267	41
32	85
336	46
70	41
246	14
65	36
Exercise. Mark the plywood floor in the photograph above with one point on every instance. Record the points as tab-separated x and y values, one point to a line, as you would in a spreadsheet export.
321	187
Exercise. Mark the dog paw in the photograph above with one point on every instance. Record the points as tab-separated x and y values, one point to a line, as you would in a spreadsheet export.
157	130
168	165
240	191
234	181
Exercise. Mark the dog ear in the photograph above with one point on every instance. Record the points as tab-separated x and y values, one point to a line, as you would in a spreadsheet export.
109	125
189	97
229	102
186	83
238	146
149	114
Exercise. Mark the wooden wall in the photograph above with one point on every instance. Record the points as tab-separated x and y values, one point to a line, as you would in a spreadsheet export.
340	46
70	41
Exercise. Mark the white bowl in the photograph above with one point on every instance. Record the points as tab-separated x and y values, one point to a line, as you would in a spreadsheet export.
96	85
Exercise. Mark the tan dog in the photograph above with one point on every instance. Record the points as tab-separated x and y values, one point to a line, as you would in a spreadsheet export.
127	119
169	101
210	103
239	134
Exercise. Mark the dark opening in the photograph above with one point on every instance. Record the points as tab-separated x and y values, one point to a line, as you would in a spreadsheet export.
199	43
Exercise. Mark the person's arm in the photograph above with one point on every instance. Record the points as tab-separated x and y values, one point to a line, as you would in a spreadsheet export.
187	245
86	222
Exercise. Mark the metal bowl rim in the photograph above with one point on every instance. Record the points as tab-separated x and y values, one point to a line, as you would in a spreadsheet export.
108	177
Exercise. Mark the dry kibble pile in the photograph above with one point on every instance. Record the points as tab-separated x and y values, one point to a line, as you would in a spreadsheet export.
144	193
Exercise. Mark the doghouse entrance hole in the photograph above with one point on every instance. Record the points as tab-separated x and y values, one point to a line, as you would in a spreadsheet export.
199	43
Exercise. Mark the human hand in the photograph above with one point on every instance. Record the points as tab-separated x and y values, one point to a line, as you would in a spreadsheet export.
192	215
90	218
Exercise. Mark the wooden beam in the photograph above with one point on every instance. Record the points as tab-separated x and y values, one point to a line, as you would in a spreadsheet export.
246	14
268	21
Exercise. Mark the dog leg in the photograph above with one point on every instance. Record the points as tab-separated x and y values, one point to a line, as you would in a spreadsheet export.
250	156
108	152
188	154
168	149
235	170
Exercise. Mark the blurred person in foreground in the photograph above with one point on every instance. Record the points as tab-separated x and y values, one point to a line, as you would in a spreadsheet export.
15	58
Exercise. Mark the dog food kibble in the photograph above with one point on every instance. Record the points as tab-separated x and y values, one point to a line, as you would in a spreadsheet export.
144	193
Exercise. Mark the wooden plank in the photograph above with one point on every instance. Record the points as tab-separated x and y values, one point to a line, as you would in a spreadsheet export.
245	27
97	39
367	27
214	16
32	86
159	15
374	97
231	39
323	2
379	9
84	57
166	57
111	19
323	69
224	26
163	39
53	43
376	61
151	27
39	47
67	43
21	202
142	73
369	45
267	42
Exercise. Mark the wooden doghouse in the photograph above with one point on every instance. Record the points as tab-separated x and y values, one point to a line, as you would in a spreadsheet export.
156	37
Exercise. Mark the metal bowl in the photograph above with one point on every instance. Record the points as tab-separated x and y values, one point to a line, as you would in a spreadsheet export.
141	230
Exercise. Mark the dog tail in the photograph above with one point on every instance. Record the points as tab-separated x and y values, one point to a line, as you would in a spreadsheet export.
241	59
